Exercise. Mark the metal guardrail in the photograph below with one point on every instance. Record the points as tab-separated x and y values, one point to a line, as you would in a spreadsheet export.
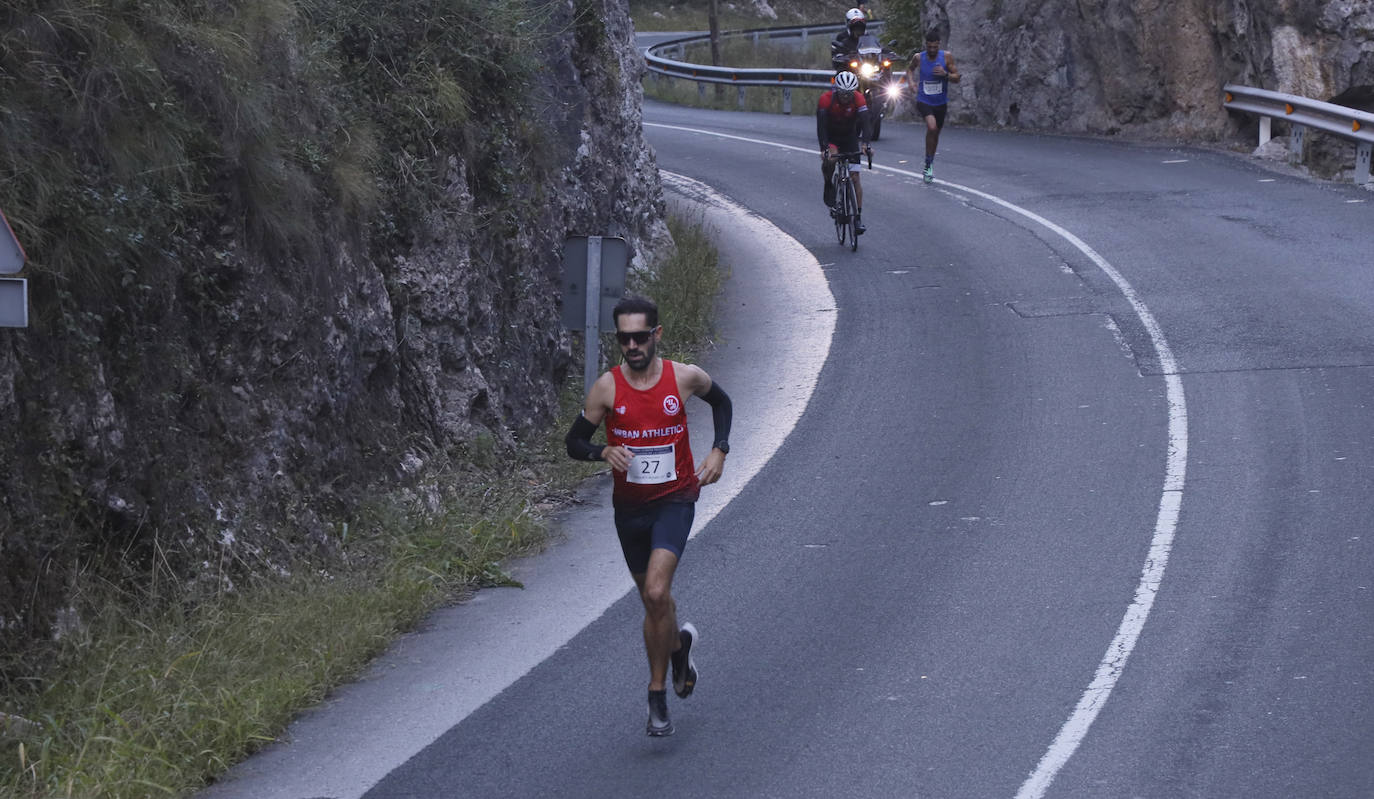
659	63
1300	112
1303	113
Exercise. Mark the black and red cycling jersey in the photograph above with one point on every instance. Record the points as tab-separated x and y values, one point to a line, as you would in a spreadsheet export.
836	121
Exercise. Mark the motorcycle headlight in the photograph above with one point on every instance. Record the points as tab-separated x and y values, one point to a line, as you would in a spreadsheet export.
853	64
868	70
893	91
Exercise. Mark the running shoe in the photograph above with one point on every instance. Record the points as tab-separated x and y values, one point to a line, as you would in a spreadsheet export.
930	175
684	670
659	724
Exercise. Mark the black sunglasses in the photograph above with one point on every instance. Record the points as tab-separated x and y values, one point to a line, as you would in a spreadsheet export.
637	336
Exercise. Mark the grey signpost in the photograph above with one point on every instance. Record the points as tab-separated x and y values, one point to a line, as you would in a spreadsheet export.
14	291
593	282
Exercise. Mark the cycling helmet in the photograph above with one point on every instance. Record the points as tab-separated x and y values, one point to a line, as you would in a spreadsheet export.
846	82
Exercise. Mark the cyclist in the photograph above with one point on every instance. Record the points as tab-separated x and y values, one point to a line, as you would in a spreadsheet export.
843	125
846	42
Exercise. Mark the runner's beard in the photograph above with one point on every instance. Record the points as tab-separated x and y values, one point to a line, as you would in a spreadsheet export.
639	360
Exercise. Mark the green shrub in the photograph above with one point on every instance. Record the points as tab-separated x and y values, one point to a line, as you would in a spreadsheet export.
161	688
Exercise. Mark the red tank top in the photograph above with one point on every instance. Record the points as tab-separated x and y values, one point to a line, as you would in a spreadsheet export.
652	424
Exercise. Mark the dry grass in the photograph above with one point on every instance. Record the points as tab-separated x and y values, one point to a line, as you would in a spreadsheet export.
155	697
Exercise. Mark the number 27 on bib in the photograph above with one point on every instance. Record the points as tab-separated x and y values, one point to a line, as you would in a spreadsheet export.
652	465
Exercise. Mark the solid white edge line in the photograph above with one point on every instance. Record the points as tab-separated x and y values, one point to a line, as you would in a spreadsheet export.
795	281
1128	632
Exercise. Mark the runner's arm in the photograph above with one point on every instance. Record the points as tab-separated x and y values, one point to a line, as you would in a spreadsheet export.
951	71
722	411
713	466
579	441
579	438
694	380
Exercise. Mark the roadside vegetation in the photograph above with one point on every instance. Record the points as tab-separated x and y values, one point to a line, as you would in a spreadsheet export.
128	124
692	15
155	697
902	26
131	137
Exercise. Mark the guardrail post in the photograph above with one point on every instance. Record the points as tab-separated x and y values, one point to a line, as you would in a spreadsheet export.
741	98
787	99
701	91
1266	130
1296	135
1362	156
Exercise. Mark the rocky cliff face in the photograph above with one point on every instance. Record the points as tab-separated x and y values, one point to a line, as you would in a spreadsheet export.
1147	67
255	396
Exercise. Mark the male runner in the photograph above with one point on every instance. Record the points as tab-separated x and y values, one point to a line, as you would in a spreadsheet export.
933	69
656	481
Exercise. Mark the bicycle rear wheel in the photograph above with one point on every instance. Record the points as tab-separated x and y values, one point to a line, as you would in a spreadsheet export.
851	215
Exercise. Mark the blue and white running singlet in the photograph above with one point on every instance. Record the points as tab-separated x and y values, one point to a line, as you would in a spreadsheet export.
930	89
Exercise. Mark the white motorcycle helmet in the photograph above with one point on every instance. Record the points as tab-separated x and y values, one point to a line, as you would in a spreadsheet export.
855	21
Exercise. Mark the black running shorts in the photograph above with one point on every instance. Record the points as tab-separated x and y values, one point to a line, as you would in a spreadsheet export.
658	525
937	111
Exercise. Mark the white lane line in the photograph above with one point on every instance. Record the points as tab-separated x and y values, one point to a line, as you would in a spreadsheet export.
793	280
1113	663
1175	161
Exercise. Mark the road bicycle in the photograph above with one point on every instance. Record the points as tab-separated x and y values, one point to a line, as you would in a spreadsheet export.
846	211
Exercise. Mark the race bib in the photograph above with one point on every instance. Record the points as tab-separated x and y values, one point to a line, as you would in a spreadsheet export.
652	465
932	86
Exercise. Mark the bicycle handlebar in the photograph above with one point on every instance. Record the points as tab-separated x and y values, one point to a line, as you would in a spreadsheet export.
856	152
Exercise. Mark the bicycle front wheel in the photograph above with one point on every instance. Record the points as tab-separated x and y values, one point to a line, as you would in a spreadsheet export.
851	215
841	224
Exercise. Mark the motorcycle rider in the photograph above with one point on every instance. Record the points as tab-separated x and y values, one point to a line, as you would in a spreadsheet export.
842	125
846	42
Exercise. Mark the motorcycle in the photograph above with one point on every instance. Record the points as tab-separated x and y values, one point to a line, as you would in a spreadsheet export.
872	65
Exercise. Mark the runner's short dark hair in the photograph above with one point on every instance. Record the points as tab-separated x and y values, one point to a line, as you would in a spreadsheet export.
933	35
636	304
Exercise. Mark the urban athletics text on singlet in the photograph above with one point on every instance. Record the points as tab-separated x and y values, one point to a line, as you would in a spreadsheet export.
652	425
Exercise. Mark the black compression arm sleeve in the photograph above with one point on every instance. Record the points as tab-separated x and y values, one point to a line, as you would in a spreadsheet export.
579	441
721	410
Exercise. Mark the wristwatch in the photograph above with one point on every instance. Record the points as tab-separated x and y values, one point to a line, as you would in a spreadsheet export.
723	446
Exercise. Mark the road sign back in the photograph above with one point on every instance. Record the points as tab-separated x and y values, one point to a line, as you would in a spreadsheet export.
11	254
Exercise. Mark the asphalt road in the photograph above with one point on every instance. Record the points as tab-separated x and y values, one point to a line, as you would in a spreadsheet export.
1077	505
987	459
